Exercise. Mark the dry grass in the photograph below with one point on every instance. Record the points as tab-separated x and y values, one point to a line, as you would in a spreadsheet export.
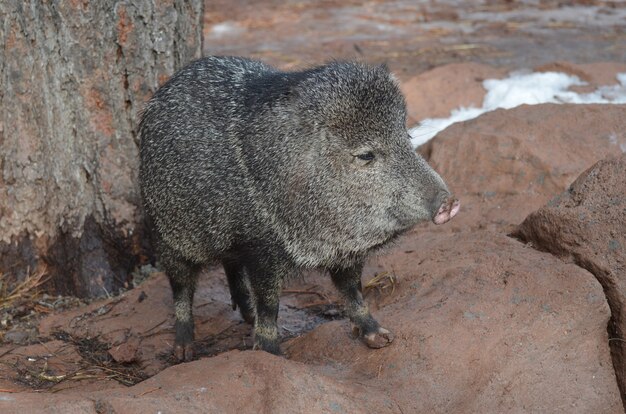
384	282
28	289
95	364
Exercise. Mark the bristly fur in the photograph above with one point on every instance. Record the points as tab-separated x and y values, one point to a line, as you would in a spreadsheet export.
243	163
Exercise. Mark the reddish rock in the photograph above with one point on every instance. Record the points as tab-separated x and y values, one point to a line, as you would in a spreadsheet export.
595	74
505	164
126	352
234	382
148	322
587	225
137	326
22	366
483	324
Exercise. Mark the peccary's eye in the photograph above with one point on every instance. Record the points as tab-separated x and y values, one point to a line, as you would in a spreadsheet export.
366	156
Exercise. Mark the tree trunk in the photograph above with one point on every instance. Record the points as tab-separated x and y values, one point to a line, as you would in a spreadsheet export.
74	76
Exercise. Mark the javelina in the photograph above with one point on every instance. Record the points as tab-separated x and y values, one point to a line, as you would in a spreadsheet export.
271	172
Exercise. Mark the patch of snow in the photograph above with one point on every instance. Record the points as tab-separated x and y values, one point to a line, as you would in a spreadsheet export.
225	29
523	88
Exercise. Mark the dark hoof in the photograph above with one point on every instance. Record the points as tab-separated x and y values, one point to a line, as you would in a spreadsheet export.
272	349
379	339
267	345
183	353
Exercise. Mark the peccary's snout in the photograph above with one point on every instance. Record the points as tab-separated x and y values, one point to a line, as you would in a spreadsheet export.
447	209
438	204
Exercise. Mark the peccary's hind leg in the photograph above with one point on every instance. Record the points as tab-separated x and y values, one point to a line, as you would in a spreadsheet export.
267	294
239	289
183	276
348	282
266	275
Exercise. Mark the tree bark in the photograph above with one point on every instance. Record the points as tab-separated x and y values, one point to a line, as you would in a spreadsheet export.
74	77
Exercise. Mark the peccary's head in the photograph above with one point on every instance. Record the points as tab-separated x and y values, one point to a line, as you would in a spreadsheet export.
360	182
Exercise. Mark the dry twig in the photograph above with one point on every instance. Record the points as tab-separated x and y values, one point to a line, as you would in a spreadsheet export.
381	282
26	289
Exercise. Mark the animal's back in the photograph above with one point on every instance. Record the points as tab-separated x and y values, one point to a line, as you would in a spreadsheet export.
192	182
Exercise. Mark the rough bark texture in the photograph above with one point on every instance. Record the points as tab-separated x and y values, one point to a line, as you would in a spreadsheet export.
74	77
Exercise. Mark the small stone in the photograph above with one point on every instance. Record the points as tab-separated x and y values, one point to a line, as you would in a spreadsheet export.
124	353
16	336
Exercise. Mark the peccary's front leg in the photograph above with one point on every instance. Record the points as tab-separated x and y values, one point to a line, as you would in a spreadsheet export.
183	276
348	282
239	286
266	275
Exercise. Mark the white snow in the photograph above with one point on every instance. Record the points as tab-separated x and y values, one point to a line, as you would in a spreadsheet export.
523	88
225	29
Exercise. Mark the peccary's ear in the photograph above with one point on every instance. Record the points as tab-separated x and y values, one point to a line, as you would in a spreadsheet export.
392	76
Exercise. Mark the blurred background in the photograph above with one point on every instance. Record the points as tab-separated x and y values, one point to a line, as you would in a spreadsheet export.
413	36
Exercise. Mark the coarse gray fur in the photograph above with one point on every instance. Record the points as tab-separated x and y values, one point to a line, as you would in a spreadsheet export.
270	172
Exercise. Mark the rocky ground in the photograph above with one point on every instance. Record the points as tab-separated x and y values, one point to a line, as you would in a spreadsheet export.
414	36
516	305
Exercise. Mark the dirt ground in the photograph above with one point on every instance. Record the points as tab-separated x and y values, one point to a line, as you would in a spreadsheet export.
483	322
